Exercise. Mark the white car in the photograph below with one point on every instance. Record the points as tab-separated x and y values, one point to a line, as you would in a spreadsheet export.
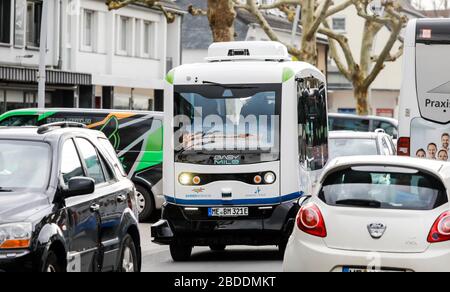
348	143
374	213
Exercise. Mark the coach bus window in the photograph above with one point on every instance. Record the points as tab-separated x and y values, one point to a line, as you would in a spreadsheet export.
312	123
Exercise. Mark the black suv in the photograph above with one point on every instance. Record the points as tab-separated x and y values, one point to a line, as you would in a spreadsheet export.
65	202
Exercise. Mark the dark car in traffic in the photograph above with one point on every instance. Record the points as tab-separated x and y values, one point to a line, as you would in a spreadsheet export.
65	204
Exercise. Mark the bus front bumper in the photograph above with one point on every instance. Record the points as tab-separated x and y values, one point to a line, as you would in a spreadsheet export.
266	225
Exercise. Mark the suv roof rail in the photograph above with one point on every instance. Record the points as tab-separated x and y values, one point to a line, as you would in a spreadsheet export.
59	125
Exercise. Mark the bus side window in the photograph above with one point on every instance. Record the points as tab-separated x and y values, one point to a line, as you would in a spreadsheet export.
312	123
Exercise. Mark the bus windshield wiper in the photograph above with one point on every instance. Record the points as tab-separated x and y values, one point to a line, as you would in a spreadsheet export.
360	203
228	86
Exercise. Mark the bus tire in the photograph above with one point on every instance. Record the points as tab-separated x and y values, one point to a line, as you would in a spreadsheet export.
180	253
145	203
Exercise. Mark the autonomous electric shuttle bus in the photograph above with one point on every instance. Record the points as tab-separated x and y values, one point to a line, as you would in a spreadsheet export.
424	117
245	137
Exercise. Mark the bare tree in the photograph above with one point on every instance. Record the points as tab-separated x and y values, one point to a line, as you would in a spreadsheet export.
364	73
313	12
314	20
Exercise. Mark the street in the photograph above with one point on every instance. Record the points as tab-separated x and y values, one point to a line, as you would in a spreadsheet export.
156	258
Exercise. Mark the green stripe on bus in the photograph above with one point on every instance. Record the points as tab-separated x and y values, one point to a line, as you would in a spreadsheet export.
45	115
153	154
170	77
17	113
288	73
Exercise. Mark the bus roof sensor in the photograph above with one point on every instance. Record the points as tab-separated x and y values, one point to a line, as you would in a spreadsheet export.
250	51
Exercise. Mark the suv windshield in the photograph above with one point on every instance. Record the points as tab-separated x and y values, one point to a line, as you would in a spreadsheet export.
24	165
227	124
383	187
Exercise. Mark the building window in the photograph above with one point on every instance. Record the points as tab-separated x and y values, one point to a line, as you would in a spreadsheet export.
88	26
339	24
148	40
124	29
5	21
88	32
34	15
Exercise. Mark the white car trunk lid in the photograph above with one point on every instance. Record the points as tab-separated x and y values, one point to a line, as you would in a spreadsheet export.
399	231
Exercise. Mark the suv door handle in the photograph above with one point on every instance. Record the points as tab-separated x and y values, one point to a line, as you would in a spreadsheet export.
121	198
95	208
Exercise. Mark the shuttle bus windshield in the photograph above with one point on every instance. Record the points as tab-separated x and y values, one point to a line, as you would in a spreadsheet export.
227	124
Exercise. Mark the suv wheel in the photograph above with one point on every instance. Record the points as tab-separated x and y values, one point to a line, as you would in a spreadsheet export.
218	247
52	265
145	203
128	257
180	253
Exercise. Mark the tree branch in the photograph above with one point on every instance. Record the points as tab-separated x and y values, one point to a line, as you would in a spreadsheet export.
118	4
196	11
338	8
343	43
252	7
320	15
398	22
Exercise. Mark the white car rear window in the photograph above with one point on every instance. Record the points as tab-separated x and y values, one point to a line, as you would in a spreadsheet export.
383	188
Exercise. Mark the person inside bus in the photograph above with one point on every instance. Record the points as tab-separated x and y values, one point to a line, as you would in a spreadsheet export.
443	155
421	153
445	142
432	151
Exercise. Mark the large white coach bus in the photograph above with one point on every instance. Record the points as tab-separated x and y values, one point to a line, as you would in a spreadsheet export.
424	117
245	134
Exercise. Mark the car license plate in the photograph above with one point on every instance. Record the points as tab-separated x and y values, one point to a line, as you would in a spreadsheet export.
365	270
228	212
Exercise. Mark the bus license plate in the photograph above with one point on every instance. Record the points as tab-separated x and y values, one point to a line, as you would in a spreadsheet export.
228	212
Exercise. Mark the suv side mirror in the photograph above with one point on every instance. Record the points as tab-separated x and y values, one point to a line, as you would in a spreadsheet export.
79	186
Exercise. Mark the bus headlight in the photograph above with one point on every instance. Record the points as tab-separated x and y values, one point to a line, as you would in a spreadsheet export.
15	236
185	179
269	178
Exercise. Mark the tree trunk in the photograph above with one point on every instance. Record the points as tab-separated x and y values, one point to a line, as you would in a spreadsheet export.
221	16
362	100
308	51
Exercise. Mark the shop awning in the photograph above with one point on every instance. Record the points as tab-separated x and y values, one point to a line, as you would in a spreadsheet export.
22	74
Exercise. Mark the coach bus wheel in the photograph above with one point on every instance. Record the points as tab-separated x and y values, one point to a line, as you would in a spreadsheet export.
218	247
145	203
180	253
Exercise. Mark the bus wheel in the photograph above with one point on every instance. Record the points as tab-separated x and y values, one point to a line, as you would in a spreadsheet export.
218	247
145	203
180	253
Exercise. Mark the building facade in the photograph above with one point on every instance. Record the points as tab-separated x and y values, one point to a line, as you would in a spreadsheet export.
95	58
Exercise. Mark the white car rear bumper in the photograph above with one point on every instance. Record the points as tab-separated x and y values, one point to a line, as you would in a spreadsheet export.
315	256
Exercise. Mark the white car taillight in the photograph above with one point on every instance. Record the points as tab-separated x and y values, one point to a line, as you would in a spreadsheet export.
440	231
310	221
